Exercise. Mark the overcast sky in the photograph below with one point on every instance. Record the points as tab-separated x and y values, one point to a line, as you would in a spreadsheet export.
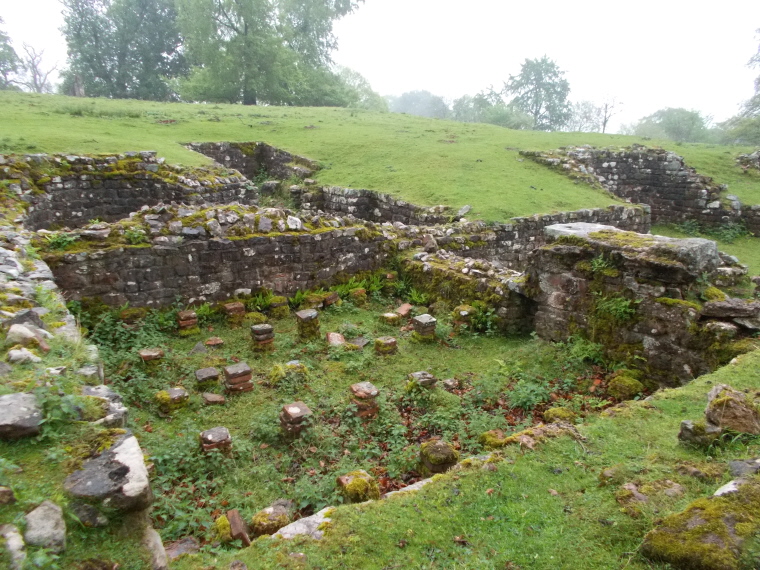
650	54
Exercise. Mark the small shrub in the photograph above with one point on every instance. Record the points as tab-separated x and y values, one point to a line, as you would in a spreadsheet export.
60	241
528	393
135	236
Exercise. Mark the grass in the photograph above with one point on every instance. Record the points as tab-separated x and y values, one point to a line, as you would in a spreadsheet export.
425	161
540	510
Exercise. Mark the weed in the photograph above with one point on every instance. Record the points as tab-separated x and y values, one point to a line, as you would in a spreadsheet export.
60	241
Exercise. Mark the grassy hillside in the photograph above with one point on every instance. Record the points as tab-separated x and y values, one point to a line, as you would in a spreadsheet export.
425	161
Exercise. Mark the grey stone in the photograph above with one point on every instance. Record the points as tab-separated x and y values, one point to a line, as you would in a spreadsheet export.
197	232
265	224
237	370
20	416
117	478
20	334
752	324
46	528
294	224
102	391
424	379
410	488
22	356
26	316
199	348
5	369
464	210
14	544
207	375
88	515
731	308
744	467
187	545
694	434
90	373
153	544
307	526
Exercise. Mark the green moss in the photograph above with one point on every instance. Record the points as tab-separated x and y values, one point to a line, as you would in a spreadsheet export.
92	408
222	530
678	303
192	331
624	387
576	241
438	454
559	414
714	294
624	239
361	487
264	523
710	532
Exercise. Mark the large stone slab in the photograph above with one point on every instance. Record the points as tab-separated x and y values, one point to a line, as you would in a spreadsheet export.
20	416
116	479
307	526
696	254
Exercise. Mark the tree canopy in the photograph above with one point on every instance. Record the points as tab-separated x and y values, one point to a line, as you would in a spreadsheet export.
541	91
680	125
9	61
745	127
262	51
420	103
122	48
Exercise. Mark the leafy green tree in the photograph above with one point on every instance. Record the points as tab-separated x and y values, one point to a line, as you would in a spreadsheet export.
745	127
420	103
680	125
122	48
262	51
489	107
360	91
585	117
541	91
9	62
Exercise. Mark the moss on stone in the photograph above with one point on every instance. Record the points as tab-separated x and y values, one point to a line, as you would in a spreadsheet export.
624	387
222	529
559	414
360	487
667	301
710	533
256	318
714	294
264	523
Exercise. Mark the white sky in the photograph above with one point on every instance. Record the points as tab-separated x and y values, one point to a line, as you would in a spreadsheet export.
649	54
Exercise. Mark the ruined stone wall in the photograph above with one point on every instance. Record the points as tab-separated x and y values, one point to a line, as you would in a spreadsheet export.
70	191
255	158
628	291
656	177
512	243
212	269
367	205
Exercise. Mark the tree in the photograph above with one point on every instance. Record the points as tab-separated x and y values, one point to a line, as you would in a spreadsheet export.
261	51
122	48
745	127
585	117
541	91
36	78
420	103
608	110
489	107
9	61
360	91
680	125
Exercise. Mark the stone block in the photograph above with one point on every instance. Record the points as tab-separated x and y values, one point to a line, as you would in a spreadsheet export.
216	438
358	486
238	528
404	310
438	456
20	416
423	379
335	339
308	324
207	375
148	354
214	342
237	373
390	318
386	345
210	399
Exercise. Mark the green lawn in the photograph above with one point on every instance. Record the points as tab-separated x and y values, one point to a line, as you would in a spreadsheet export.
425	161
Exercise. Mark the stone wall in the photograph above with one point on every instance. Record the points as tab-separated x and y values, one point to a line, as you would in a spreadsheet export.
367	205
255	158
212	268
627	291
70	191
511	243
656	177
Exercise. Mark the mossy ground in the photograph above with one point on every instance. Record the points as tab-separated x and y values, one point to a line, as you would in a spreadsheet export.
538	510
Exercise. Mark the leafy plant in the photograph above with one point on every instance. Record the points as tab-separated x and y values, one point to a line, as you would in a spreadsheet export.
135	236
581	350
417	297
599	263
297	299
618	308
528	393
60	241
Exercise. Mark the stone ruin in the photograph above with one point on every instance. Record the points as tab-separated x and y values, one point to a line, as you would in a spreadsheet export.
130	229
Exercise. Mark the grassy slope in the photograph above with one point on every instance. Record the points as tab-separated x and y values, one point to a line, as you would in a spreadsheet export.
510	519
404	155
